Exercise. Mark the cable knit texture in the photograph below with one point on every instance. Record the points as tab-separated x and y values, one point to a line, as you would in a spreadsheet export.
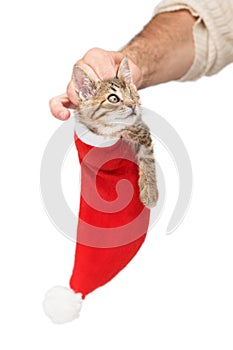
212	32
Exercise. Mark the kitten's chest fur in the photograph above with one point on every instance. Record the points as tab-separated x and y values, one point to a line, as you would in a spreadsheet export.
110	126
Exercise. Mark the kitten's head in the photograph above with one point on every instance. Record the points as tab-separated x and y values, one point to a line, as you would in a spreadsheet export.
107	106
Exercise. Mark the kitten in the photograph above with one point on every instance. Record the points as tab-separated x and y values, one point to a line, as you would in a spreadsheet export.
112	108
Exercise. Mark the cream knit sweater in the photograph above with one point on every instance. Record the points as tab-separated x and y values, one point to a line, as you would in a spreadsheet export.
213	33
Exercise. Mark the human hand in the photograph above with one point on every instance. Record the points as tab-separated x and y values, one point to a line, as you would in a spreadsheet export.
99	64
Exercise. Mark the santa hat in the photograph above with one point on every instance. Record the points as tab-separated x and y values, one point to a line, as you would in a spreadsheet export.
112	221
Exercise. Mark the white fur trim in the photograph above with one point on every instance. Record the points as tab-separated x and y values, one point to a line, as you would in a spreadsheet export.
62	304
92	139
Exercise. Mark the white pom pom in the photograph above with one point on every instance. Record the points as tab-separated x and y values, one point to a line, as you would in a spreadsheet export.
62	304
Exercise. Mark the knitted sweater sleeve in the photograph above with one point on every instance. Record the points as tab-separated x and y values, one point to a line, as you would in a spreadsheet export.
212	32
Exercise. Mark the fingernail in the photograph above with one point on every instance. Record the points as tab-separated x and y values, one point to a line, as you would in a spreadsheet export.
63	115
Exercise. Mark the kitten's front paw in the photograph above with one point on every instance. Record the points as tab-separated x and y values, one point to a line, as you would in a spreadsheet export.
148	192
149	199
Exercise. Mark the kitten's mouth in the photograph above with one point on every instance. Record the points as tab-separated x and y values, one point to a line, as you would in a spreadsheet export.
133	114
127	116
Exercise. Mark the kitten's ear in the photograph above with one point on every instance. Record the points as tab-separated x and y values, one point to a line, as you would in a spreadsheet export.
84	85
124	71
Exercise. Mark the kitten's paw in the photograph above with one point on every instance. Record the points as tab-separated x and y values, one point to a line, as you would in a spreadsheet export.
148	198
148	192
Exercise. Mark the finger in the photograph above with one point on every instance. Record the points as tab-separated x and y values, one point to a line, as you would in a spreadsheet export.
105	64
59	107
97	66
102	62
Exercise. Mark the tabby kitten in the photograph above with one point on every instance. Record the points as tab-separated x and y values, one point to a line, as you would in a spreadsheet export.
112	108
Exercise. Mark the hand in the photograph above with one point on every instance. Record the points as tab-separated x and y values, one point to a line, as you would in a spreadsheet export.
99	64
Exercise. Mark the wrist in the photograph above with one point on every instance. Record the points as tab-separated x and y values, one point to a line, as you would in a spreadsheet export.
164	49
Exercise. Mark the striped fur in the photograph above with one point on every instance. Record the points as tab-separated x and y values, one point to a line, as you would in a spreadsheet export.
112	108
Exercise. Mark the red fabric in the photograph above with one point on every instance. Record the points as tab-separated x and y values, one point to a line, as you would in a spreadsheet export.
112	220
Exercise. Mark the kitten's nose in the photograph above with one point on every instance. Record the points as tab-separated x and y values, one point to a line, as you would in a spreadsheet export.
133	107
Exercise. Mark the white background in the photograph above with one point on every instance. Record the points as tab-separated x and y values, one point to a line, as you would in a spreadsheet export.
177	292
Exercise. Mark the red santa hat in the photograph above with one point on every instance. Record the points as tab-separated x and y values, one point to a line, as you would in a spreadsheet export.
112	221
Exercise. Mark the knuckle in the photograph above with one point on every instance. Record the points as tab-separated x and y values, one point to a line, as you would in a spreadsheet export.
93	52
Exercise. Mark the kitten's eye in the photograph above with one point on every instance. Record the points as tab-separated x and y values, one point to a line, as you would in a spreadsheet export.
113	98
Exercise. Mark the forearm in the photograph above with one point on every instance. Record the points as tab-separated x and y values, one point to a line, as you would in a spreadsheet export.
164	49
